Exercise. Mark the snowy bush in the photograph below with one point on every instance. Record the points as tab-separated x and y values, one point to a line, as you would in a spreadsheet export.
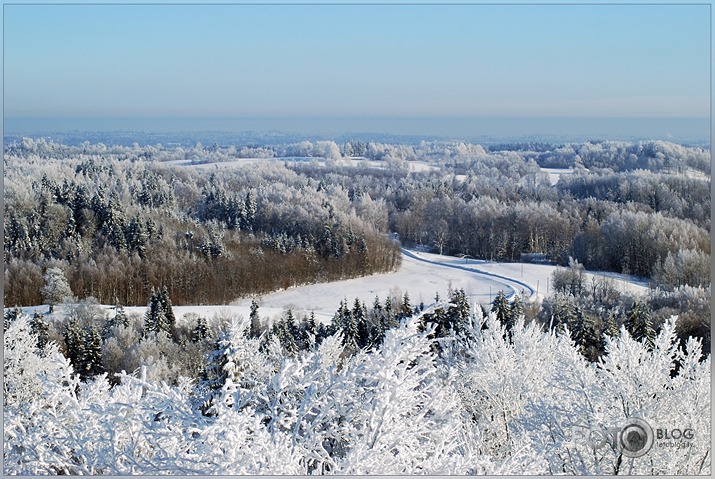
488	403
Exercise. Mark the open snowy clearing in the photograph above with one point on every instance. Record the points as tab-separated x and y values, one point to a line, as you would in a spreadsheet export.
421	275
296	160
555	173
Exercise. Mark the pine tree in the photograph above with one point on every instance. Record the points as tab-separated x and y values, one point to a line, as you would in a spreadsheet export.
351	332
201	331
255	330
563	313
165	302
90	353
516	310
611	327
406	308
460	311
286	337
312	325
640	324
501	307
39	327
72	336
155	318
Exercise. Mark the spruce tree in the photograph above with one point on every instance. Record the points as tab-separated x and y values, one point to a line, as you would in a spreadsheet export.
501	307
255	330
72	336
611	327
312	324
460	311
165	302
406	308
286	337
592	344
563	313
155	320
516	309
201	331
120	316
576	326
351	333
640	323
90	354
340	319
39	326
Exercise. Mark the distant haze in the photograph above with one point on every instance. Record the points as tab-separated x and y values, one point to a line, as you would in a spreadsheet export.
683	130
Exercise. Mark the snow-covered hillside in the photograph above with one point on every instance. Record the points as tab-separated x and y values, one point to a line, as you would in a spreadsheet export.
421	275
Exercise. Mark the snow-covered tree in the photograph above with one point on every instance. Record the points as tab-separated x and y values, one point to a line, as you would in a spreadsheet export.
56	289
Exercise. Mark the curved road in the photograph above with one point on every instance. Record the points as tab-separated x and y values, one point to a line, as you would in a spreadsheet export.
509	282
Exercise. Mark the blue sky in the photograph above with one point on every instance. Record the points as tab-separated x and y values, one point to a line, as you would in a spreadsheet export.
356	60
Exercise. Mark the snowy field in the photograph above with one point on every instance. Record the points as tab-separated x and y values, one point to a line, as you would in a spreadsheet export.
421	275
295	160
555	173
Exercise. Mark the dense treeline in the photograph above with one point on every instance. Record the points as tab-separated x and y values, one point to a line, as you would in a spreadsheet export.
119	220
660	223
118	226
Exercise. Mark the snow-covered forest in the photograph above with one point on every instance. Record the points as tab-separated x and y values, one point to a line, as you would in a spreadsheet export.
544	386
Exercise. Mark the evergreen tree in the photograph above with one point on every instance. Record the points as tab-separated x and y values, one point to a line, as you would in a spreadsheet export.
459	311
592	343
90	353
406	308
516	309
165	302
72	336
201	331
120	316
286	337
501	307
312	326
611	327
640	323
39	326
562	315
351	333
291	326
340	319
155	320
255	330
576	326
250	209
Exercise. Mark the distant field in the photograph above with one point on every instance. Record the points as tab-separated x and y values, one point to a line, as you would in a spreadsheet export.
422	280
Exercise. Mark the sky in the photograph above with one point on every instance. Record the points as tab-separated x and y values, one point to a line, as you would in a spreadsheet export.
272	62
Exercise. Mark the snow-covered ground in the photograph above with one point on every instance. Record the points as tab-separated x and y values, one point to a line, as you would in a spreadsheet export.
555	173
422	275
353	162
